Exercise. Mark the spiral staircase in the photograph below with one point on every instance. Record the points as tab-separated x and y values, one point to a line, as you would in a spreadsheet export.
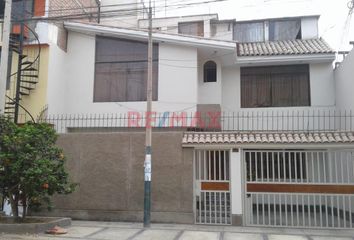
26	49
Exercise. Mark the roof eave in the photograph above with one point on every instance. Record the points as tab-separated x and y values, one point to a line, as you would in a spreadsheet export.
143	35
327	57
269	145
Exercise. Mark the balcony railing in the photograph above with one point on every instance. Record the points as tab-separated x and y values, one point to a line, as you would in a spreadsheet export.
242	121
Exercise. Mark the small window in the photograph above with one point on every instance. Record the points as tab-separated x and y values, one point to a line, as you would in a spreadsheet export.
191	28
2	8
210	71
21	9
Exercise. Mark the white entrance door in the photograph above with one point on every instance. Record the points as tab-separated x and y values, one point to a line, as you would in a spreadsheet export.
212	196
299	188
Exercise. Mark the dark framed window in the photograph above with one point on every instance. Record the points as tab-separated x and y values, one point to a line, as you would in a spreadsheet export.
21	9
191	28
284	30
2	8
275	86
121	70
210	71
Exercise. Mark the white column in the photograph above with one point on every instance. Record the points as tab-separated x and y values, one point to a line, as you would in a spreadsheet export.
236	183
207	28
5	53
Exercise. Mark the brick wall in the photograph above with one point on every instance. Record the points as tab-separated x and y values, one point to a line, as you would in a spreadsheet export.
60	8
73	7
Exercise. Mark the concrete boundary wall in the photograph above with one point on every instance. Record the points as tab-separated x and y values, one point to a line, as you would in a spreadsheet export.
109	170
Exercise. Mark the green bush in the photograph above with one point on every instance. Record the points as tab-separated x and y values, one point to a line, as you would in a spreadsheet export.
31	165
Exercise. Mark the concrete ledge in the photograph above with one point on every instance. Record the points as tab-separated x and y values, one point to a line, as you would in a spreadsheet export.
121	216
34	228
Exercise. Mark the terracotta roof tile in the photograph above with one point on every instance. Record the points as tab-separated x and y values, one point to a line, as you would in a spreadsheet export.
277	138
287	47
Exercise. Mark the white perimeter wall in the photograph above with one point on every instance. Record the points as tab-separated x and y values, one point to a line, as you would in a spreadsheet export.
71	80
344	77
321	84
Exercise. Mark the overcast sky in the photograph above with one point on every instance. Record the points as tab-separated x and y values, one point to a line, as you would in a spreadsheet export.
333	26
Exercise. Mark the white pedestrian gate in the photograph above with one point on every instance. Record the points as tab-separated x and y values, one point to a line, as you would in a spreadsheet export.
307	189
212	197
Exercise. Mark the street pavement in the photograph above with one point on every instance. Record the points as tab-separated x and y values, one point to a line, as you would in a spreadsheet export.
135	231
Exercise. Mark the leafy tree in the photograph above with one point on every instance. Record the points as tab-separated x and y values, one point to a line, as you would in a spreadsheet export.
31	165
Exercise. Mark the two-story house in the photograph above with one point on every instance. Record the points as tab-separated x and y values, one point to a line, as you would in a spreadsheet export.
247	112
255	101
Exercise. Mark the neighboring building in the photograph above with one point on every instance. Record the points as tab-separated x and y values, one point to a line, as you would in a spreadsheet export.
123	13
195	25
38	37
209	26
344	73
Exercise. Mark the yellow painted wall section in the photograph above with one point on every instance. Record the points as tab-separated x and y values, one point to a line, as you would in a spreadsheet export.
37	100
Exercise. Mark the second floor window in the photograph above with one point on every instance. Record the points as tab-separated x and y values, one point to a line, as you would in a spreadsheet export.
24	9
249	32
284	30
191	28
275	86
272	30
121	70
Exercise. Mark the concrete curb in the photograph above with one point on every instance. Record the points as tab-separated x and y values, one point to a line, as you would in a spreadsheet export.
34	228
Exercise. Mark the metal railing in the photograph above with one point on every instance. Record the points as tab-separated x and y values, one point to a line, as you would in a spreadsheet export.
264	121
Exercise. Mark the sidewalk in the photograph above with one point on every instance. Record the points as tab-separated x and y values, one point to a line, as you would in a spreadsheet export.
135	231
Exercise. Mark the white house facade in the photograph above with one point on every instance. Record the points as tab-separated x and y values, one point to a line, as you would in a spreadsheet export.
258	109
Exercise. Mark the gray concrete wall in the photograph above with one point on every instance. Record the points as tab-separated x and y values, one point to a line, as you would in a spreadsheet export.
109	170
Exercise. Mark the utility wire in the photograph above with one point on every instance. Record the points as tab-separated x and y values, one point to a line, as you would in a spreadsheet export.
112	13
51	9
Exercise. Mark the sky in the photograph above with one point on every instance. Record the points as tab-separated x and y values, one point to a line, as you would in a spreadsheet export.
334	25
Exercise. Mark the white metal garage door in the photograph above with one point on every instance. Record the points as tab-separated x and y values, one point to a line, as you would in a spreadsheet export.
301	188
